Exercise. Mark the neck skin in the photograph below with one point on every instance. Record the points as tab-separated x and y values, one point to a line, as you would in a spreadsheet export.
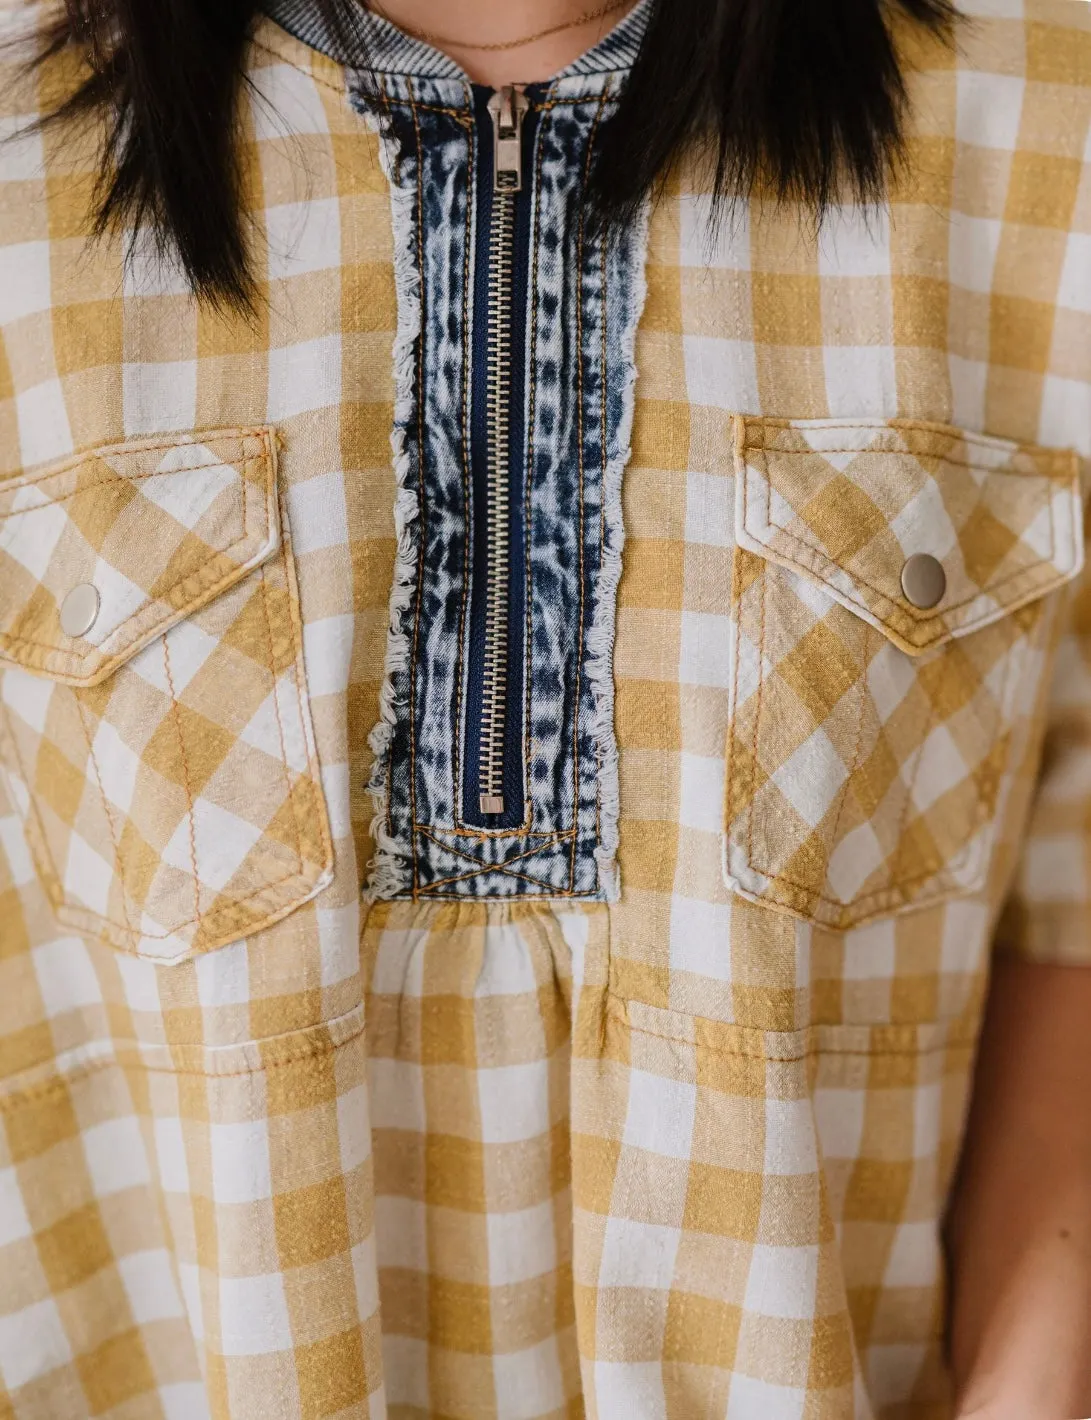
487	21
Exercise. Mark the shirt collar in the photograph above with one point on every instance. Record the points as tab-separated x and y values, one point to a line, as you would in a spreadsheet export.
376	44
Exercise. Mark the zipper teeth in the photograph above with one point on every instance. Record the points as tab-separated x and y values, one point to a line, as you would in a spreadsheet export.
491	747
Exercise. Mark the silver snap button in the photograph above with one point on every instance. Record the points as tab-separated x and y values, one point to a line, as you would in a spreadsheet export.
923	580
79	610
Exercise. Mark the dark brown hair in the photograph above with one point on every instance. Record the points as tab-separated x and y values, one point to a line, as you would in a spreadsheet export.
806	96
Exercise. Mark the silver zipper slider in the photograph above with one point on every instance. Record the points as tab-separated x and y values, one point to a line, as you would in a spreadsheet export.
507	107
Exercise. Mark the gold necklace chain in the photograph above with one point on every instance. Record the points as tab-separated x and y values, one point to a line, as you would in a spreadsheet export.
611	7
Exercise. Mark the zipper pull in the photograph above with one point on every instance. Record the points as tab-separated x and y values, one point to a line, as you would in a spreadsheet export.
507	107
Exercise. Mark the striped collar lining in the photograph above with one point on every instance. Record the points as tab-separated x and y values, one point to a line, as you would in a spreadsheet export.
374	43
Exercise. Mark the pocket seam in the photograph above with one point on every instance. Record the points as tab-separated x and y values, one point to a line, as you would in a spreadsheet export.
821	1037
757	718
207	579
80	917
230	915
194	439
816	561
955	868
280	724
319	1039
871	904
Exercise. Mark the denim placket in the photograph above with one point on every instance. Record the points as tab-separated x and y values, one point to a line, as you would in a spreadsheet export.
584	295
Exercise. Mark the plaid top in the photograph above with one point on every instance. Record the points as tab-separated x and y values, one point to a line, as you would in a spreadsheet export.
269	1149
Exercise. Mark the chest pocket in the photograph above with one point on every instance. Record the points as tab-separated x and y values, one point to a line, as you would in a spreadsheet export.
888	613
154	725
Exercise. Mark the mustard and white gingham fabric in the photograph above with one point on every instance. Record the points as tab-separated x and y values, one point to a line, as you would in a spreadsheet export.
859	779
679	1156
163	816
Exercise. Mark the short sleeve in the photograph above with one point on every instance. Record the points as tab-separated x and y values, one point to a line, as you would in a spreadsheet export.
1047	917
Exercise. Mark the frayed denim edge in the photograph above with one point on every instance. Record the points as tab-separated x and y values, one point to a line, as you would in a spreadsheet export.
390	870
602	633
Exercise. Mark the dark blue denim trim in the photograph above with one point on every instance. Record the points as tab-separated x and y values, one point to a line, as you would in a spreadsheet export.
582	304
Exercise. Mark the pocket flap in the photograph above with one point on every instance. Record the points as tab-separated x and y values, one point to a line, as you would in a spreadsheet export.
157	527
848	503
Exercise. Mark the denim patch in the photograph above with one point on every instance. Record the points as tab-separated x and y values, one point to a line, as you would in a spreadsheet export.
584	293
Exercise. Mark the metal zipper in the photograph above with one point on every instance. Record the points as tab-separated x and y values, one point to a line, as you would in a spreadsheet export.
506	108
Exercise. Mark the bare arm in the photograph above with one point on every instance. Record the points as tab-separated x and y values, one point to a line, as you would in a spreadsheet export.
1020	1232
